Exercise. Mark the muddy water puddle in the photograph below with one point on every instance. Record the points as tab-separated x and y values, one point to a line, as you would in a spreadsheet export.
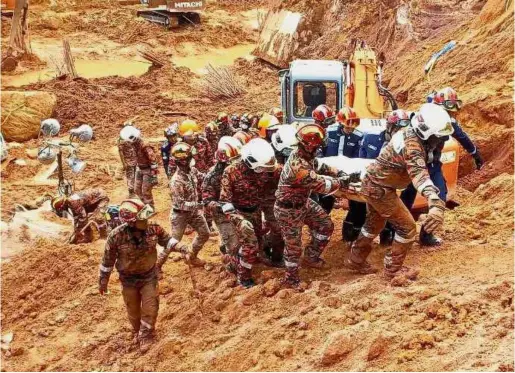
85	68
197	60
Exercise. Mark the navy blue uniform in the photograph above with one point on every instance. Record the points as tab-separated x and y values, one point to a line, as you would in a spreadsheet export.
371	145
434	166
339	143
166	148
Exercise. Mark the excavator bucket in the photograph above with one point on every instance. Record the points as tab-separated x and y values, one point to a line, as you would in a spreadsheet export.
279	37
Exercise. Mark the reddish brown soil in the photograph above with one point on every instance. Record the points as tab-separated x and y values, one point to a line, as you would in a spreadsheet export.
457	316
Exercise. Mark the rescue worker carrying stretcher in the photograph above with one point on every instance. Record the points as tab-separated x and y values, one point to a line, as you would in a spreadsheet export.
403	160
293	208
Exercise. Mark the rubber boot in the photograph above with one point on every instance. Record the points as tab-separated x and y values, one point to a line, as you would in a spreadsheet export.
357	258
429	239
386	237
244	276
291	278
145	343
394	258
348	232
192	258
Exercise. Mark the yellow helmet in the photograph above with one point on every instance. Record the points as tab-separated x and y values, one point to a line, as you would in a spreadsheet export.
188	127
266	121
58	203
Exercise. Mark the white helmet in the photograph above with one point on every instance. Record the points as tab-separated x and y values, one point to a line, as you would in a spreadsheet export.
130	133
259	155
284	140
47	155
50	127
432	120
84	133
229	149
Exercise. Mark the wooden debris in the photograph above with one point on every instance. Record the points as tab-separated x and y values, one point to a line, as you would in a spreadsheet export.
156	60
19	29
69	61
220	82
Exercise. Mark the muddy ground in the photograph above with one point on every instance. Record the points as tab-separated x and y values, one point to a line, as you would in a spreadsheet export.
457	316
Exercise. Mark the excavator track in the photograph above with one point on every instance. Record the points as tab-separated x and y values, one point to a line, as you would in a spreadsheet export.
169	19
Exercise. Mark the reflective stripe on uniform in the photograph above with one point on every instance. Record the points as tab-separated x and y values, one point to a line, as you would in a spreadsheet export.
106	269
171	243
403	240
367	234
290	264
245	264
320	237
327	185
146	324
425	184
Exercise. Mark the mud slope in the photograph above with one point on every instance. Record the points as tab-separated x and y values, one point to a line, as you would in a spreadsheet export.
458	316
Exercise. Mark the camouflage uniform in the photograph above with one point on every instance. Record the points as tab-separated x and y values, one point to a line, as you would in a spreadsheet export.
202	156
135	260
402	160
241	187
128	158
147	165
273	238
82	204
293	208
185	208
211	188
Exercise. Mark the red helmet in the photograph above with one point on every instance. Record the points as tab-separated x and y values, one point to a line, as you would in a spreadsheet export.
228	149
311	137
347	117
223	118
448	98
399	118
130	210
58	203
322	113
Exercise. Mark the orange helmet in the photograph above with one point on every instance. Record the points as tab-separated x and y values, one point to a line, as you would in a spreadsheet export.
223	118
228	149
311	137
347	117
265	122
322	114
188	127
448	98
243	137
278	113
134	209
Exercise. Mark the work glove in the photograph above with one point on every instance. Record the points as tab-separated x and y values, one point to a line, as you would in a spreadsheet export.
213	205
435	216
102	282
347	180
478	160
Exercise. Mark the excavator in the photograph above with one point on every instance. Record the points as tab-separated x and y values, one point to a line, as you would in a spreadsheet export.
172	13
357	83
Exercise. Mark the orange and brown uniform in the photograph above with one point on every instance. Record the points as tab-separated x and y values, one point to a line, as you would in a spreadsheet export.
135	258
271	182
293	208
242	188
81	204
203	154
401	161
129	161
146	171
184	188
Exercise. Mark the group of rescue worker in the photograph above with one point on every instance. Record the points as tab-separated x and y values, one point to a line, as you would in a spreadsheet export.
259	181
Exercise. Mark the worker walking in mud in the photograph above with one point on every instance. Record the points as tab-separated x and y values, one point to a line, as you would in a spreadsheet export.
84	207
131	247
129	162
147	168
293	208
228	152
241	196
402	161
172	137
447	98
370	148
185	200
